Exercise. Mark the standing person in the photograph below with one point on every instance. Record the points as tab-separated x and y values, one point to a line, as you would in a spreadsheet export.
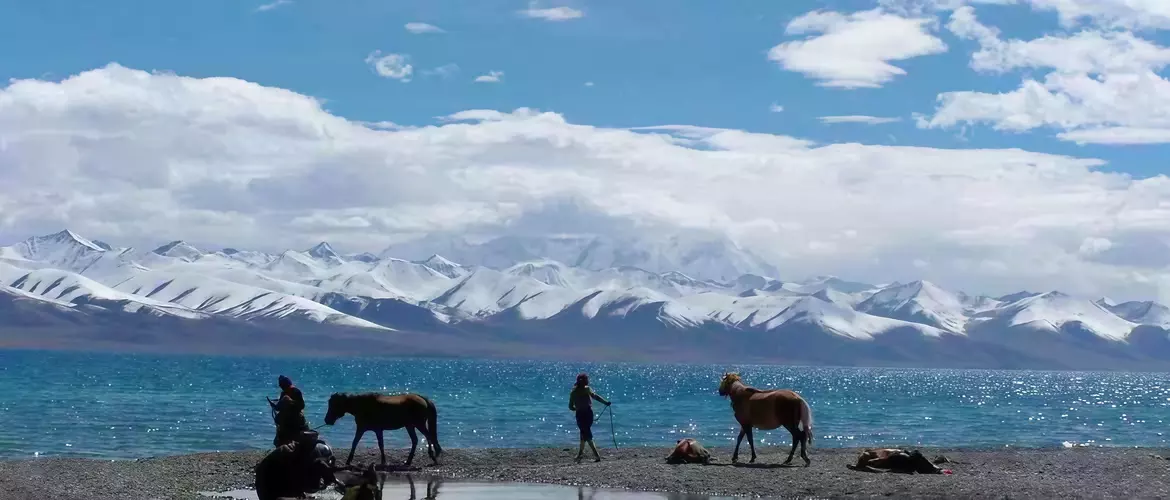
581	401
290	412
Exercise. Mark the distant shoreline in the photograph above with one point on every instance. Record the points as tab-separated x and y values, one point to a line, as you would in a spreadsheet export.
1019	473
277	352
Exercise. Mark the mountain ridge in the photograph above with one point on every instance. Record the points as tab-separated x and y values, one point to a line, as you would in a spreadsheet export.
829	319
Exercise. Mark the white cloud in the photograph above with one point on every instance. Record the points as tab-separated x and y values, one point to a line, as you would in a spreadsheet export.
1112	14
855	50
862	119
444	71
491	77
420	28
1093	246
776	108
588	84
273	5
141	158
1103	87
393	66
1083	52
1117	135
551	14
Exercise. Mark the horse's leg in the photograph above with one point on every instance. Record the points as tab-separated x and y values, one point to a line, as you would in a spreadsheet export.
791	429
381	448
357	436
804	441
413	444
738	440
751	444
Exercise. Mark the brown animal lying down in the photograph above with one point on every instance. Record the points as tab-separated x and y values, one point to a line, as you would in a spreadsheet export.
688	451
897	461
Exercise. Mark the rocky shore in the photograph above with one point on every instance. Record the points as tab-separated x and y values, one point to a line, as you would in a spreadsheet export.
1130	473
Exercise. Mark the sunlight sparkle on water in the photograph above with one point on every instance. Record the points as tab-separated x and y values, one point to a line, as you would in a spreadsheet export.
135	406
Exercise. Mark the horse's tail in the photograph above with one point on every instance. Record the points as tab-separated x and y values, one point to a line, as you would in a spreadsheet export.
433	425
806	420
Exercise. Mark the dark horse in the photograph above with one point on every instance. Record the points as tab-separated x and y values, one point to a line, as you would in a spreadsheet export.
766	410
380	412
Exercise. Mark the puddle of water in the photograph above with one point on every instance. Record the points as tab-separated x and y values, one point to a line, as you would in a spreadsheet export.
409	488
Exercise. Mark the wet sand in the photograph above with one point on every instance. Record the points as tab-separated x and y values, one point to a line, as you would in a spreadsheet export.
1001	473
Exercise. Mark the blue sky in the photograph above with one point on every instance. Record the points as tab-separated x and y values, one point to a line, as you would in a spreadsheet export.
970	157
650	62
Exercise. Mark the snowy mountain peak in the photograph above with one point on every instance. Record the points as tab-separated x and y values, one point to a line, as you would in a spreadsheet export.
179	249
1143	312
323	251
439	260
444	266
1013	297
545	271
1052	310
920	302
64	237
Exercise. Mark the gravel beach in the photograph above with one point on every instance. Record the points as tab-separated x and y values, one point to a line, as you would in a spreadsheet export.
1006	473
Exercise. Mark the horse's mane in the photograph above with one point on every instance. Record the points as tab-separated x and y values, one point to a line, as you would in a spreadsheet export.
731	378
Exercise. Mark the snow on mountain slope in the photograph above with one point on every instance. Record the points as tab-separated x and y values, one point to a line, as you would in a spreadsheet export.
548	272
620	303
22	309
444	266
1051	311
843	321
1142	313
389	278
65	286
63	250
742	312
17	293
919	302
180	250
209	294
817	284
486	291
703	258
975	304
179	279
249	257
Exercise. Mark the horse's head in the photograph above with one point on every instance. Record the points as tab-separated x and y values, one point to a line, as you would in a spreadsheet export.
337	408
725	385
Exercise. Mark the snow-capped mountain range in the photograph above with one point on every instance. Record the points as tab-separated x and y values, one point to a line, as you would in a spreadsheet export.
653	298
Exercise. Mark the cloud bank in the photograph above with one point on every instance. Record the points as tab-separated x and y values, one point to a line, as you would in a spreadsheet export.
137	157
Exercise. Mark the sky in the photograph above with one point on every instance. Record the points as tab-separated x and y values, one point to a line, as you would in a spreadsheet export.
986	145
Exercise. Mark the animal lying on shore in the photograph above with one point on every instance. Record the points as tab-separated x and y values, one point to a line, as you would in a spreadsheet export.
293	469
689	451
897	461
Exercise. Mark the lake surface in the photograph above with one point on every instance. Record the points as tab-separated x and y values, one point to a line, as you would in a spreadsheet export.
128	406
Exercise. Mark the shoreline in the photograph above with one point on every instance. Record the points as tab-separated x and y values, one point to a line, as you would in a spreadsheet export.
1082	472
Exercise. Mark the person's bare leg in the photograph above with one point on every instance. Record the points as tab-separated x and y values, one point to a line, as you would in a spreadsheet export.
581	451
596	456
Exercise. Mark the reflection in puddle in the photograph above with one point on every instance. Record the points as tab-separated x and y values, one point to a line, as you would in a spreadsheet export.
397	487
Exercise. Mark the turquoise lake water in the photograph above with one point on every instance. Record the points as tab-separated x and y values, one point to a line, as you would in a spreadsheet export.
128	406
